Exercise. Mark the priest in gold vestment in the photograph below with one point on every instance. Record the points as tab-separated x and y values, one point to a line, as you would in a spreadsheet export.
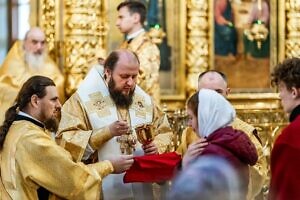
101	118
130	22
32	165
217	81
25	59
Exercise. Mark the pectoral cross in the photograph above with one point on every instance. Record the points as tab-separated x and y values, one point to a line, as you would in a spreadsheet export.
128	140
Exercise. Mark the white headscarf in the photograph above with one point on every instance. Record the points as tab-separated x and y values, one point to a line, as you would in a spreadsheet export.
214	112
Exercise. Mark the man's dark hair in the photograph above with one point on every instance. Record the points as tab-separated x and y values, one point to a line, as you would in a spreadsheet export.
212	70
111	60
135	7
287	72
35	85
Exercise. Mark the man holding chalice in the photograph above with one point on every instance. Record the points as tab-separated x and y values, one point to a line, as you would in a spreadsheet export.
99	120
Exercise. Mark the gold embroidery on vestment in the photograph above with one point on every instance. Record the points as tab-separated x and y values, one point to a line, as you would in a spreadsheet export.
99	104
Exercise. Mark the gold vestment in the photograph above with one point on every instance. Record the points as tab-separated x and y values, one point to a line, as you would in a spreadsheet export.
257	173
75	131
85	121
31	159
14	72
149	57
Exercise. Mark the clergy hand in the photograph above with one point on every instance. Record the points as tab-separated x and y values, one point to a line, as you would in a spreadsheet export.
150	149
122	163
119	128
193	151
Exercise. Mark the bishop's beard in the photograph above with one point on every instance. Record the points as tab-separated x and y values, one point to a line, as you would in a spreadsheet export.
121	100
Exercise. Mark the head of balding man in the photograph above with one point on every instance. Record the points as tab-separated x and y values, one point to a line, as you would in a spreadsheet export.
213	80
121	72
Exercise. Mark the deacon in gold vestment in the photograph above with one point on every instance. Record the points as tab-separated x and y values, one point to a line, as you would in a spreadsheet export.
25	59
102	115
217	81
130	21
32	165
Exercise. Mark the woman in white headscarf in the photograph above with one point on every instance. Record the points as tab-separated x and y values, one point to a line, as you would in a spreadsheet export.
211	115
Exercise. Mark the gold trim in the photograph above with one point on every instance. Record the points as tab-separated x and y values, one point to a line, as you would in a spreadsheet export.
180	69
273	33
281	29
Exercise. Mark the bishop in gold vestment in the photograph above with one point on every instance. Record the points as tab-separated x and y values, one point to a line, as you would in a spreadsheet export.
89	117
15	71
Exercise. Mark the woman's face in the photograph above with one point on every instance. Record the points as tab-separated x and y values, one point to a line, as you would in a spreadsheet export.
192	120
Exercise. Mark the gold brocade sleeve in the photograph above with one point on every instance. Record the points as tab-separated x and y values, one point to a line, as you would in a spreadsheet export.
164	134
75	131
48	165
104	168
258	172
99	137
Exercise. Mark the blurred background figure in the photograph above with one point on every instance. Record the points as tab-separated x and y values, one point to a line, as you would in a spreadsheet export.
208	178
225	37
25	59
131	18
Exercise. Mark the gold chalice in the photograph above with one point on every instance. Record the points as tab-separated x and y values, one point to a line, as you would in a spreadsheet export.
145	133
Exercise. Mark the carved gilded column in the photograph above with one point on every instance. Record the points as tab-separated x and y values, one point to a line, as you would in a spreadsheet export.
48	21
292	44
197	43
84	31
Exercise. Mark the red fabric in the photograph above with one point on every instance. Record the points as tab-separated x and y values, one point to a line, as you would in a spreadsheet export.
285	164
153	168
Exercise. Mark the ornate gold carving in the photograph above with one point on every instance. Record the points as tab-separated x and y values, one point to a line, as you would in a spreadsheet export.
197	43
48	23
292	45
84	32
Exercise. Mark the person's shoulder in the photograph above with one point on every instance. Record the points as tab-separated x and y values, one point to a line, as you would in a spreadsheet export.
295	125
14	57
243	126
290	133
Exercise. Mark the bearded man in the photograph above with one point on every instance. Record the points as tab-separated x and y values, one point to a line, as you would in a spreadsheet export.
32	165
101	116
25	59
